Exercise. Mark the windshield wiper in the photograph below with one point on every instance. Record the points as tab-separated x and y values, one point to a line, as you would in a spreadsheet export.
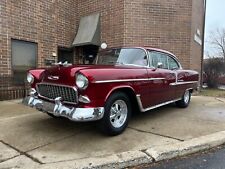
119	63
116	63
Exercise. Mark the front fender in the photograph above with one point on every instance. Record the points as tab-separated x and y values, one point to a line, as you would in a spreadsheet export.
37	73
118	88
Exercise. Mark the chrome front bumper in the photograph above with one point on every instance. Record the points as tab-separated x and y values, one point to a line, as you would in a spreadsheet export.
60	110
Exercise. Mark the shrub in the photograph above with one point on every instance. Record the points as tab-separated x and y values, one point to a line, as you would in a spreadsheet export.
214	68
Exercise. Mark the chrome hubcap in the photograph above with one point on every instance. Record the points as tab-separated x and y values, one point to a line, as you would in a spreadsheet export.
118	113
186	96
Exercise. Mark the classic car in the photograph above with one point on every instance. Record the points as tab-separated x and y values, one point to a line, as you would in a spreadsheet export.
121	81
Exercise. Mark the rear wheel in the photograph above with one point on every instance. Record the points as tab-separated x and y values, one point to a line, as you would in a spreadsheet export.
184	102
117	114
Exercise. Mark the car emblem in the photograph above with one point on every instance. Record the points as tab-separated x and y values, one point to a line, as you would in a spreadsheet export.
53	77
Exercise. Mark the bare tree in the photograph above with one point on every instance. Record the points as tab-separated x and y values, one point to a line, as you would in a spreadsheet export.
217	40
213	69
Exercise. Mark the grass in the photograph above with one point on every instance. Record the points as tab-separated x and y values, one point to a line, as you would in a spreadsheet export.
212	92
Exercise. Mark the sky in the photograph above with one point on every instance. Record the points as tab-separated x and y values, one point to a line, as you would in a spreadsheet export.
215	18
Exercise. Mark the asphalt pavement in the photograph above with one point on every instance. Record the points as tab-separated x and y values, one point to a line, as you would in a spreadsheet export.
214	159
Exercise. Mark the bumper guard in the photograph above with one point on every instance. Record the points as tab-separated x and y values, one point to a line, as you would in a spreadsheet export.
60	110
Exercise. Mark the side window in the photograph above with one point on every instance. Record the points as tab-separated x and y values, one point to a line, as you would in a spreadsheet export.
172	63
154	58
158	57
164	61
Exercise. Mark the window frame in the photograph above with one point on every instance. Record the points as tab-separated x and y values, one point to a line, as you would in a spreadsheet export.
20	74
23	41
178	64
164	53
161	53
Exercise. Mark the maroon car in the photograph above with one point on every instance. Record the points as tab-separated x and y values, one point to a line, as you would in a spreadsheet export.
121	80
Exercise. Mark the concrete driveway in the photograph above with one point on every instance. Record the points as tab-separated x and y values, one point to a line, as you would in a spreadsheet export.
31	139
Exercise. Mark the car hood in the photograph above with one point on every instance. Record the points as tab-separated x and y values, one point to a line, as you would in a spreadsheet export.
62	74
66	75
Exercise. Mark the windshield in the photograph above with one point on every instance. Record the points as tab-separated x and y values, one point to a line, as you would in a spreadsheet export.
122	56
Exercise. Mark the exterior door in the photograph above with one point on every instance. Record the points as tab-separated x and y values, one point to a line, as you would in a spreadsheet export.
180	74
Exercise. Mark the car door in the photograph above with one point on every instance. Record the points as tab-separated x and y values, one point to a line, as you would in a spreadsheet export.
180	76
161	78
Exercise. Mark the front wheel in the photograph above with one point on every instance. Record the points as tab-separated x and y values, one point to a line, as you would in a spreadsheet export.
184	102
117	114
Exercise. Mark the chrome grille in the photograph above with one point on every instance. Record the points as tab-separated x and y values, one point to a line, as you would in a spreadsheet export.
50	91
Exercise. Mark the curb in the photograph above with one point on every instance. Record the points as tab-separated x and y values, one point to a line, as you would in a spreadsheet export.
155	154
121	160
187	147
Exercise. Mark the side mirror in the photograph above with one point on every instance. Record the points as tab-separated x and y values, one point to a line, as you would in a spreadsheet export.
159	65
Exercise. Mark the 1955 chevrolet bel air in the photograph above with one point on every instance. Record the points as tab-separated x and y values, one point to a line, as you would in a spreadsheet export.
120	81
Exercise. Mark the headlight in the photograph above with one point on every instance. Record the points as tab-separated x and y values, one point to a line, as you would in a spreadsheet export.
81	81
30	78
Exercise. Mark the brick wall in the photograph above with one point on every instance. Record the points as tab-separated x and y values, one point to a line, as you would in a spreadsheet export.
4	28
48	23
161	24
197	23
51	23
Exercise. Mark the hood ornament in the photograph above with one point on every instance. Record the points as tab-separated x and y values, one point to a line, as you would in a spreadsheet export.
64	64
53	77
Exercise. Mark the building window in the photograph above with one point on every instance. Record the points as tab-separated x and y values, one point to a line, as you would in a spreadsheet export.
24	57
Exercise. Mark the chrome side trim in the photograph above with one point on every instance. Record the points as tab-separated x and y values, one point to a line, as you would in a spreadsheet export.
181	83
128	80
150	79
122	80
153	107
176	74
74	88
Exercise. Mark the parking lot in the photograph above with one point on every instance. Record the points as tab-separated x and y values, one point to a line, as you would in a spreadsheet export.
30	139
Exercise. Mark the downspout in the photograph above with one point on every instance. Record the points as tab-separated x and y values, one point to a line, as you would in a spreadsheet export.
203	45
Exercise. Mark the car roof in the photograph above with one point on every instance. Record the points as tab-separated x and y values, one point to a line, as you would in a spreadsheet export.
157	49
151	48
146	48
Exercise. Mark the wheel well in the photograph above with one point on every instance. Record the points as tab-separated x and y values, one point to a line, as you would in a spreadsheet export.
130	93
191	90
